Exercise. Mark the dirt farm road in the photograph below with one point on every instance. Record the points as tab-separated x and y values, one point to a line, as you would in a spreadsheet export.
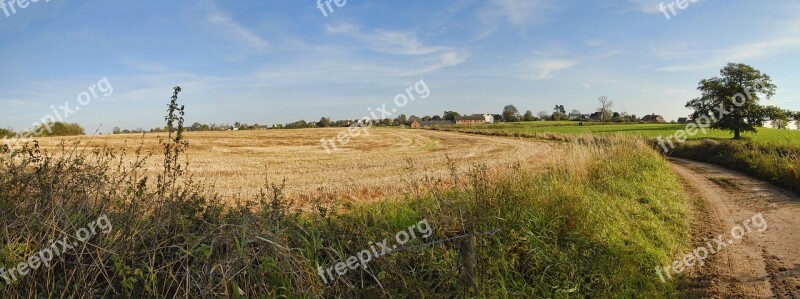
764	263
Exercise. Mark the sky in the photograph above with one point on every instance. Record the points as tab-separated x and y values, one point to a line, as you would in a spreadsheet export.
270	61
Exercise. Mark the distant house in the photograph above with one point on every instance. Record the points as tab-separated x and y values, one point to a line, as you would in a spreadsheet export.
475	119
653	118
489	118
260	127
683	120
416	124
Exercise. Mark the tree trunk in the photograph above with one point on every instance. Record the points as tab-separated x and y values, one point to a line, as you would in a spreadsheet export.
737	134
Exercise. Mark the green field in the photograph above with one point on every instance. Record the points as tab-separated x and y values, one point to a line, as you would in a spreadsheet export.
763	135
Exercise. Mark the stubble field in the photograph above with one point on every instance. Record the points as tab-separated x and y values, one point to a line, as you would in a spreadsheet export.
238	163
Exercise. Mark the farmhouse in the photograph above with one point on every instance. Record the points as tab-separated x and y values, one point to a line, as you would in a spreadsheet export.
489	118
475	119
683	120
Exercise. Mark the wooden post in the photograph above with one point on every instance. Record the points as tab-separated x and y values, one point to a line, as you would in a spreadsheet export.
469	262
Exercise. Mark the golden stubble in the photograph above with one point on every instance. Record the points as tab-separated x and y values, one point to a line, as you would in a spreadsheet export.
238	163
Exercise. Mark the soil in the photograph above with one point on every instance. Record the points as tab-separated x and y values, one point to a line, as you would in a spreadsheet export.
765	262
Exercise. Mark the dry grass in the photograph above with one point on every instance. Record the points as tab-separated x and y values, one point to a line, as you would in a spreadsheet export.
366	169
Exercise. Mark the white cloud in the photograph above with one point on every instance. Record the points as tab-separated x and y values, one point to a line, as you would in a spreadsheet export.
739	54
547	67
647	6
237	32
517	12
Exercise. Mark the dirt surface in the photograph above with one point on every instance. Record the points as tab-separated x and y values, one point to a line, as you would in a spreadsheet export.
765	261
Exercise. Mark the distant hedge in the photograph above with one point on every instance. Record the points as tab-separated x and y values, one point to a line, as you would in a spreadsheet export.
60	129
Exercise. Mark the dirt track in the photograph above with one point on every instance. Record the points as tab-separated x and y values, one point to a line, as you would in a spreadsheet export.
762	264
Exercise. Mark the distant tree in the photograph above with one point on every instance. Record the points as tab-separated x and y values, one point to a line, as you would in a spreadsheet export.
543	115
450	115
510	113
116	130
737	92
436	117
560	109
575	112
59	129
559	113
324	122
426	118
528	116
616	117
498	117
197	126
605	106
402	120
780	117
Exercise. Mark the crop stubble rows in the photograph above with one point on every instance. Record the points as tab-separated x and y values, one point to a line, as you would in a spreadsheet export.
367	168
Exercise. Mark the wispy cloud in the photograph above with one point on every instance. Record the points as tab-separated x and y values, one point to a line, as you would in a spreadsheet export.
738	54
546	67
237	32
518	12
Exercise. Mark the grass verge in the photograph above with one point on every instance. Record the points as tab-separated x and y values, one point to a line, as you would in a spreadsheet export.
776	163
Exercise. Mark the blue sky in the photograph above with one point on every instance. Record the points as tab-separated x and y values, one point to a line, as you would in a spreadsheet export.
273	61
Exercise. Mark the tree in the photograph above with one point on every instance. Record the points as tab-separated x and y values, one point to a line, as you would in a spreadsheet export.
402	119
528	116
436	117
735	96
450	115
510	113
605	105
116	130
559	113
780	118
196	126
543	114
324	122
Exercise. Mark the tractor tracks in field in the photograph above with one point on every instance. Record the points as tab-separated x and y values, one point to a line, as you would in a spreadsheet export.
765	264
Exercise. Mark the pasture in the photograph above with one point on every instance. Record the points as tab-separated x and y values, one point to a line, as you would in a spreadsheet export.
763	135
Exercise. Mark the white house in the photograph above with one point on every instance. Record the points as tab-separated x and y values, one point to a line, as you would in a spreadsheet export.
489	118
793	125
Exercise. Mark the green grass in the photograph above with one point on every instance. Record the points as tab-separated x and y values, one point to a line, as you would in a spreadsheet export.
592	223
763	135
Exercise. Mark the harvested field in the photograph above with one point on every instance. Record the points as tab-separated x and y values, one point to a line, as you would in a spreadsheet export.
238	163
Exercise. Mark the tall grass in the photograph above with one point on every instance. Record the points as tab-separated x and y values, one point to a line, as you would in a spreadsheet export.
777	163
594	223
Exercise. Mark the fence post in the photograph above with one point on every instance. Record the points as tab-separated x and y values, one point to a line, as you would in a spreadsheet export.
469	262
